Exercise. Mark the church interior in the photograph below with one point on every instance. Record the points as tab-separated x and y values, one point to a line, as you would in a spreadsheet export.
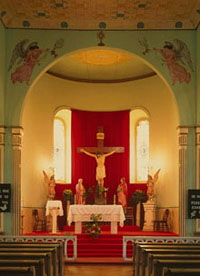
100	125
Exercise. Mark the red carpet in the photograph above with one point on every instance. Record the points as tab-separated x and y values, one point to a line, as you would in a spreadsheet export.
107	245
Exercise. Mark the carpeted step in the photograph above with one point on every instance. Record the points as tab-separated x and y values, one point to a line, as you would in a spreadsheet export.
100	254
103	245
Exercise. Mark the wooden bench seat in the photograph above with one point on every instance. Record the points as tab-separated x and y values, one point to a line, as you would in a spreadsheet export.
59	247
152	257
142	249
17	271
164	251
30	256
38	264
180	271
159	265
52	251
139	246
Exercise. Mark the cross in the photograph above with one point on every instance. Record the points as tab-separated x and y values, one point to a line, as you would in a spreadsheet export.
100	144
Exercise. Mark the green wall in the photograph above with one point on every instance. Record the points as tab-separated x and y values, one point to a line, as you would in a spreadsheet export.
13	95
127	40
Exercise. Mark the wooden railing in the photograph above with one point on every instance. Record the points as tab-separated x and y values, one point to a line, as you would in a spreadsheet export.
64	239
127	239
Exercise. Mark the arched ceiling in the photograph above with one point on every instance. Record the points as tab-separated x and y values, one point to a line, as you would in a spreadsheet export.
95	14
101	64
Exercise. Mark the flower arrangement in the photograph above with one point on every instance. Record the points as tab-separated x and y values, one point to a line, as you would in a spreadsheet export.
93	227
99	190
68	195
138	196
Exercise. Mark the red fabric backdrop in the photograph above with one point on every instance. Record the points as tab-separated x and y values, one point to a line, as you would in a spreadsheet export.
84	128
116	128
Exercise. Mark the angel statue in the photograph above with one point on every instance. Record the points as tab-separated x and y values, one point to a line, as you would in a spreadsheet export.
176	56
26	57
50	181
150	185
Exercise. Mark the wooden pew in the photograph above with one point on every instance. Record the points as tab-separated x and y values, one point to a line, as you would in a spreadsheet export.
38	264
159	265
54	264
181	271
152	257
30	256
164	251
139	245
59	247
140	259
17	271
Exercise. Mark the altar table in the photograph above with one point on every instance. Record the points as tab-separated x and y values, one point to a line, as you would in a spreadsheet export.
80	213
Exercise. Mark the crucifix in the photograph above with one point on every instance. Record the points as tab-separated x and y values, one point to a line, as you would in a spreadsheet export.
100	153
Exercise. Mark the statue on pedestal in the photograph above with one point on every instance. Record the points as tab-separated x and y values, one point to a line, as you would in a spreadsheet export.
51	184
150	185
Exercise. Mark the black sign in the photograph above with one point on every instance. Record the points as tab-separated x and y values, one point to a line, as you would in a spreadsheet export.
5	197
194	204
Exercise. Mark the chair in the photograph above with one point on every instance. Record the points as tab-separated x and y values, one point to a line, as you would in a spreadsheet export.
162	225
129	215
39	224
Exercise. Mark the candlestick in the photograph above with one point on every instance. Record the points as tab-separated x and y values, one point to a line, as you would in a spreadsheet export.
114	199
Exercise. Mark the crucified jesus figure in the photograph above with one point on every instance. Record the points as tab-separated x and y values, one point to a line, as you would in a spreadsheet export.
100	169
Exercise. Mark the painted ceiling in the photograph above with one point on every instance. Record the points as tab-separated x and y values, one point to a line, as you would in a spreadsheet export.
104	14
101	65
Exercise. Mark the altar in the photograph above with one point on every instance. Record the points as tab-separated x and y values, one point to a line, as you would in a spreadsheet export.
82	213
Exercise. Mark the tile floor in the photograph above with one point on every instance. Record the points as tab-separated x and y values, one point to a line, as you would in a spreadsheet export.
98	270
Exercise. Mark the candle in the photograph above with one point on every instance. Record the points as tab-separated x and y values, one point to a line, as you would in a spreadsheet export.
114	199
74	199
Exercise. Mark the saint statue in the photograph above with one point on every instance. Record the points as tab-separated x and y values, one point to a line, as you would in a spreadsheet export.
122	192
80	192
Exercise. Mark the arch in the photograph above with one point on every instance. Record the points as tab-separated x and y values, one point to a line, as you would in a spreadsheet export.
37	87
18	110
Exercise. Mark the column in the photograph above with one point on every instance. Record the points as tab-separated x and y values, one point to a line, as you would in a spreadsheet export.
2	146
17	133
182	135
198	169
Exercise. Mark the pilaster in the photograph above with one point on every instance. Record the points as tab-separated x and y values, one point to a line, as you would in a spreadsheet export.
183	145
198	169
2	148
17	133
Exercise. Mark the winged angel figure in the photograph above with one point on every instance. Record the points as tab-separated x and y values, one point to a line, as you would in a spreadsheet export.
176	56
150	185
29	56
50	181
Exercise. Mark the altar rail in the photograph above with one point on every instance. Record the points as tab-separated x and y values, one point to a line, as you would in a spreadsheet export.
64	239
132	239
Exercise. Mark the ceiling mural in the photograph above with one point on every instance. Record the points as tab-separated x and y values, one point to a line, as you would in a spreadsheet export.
26	55
95	14
176	56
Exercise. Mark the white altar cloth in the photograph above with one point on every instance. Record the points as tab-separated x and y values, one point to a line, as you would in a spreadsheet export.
54	208
80	213
54	204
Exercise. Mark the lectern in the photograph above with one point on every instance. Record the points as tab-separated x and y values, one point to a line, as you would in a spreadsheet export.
54	208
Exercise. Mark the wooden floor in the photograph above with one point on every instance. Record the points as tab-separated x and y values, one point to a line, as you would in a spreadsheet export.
98	270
